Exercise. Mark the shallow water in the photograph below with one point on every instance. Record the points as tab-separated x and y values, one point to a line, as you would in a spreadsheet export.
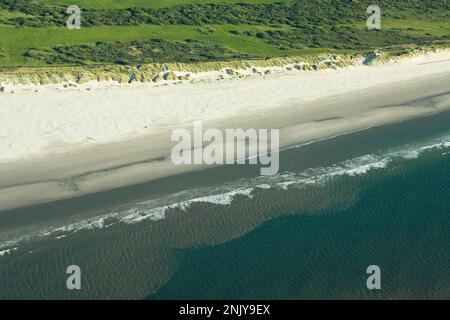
379	196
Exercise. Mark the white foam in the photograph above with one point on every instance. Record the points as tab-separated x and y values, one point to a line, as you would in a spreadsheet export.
7	252
225	194
135	215
139	215
264	186
157	209
96	223
312	176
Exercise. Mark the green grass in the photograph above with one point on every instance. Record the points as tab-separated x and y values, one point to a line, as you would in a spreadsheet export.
307	31
416	27
16	41
123	4
7	14
419	27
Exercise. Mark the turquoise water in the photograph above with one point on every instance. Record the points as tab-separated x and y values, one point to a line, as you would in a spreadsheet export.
400	222
376	197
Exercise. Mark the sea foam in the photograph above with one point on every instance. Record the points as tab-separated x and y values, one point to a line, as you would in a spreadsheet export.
225	194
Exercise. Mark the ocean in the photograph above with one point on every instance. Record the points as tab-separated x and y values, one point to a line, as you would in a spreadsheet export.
374	197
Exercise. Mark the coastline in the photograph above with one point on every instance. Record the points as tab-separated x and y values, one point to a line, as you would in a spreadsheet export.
163	73
49	158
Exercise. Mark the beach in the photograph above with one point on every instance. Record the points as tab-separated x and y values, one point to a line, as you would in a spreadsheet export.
58	143
224	150
375	196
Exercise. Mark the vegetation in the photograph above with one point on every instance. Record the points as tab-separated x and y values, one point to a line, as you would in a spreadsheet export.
295	13
124	4
134	52
33	32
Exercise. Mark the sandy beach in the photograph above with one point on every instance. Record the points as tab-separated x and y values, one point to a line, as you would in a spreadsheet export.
58	142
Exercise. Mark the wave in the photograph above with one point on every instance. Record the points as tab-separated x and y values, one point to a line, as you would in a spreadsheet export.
225	194
139	213
7	252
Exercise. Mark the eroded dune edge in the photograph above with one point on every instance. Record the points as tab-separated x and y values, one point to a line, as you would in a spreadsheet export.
71	138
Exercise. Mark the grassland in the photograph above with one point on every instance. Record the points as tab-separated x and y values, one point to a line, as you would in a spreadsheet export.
15	42
33	32
124	4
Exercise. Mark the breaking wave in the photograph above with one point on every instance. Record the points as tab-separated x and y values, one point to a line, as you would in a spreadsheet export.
225	194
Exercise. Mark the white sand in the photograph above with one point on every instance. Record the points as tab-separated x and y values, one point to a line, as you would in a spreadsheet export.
55	119
60	143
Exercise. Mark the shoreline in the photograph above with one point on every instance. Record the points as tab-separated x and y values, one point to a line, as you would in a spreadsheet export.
60	117
168	73
391	93
142	202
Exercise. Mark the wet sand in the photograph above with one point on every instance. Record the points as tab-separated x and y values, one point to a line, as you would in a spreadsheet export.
87	169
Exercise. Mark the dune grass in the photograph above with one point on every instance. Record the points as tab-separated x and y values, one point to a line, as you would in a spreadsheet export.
246	31
16	41
123	4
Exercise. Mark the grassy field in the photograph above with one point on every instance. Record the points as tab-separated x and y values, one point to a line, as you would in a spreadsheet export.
123	4
16	41
420	27
290	27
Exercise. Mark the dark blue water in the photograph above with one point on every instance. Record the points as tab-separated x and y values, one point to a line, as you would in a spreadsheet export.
376	197
400	222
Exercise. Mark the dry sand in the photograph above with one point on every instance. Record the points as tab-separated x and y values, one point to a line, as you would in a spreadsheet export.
58	143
